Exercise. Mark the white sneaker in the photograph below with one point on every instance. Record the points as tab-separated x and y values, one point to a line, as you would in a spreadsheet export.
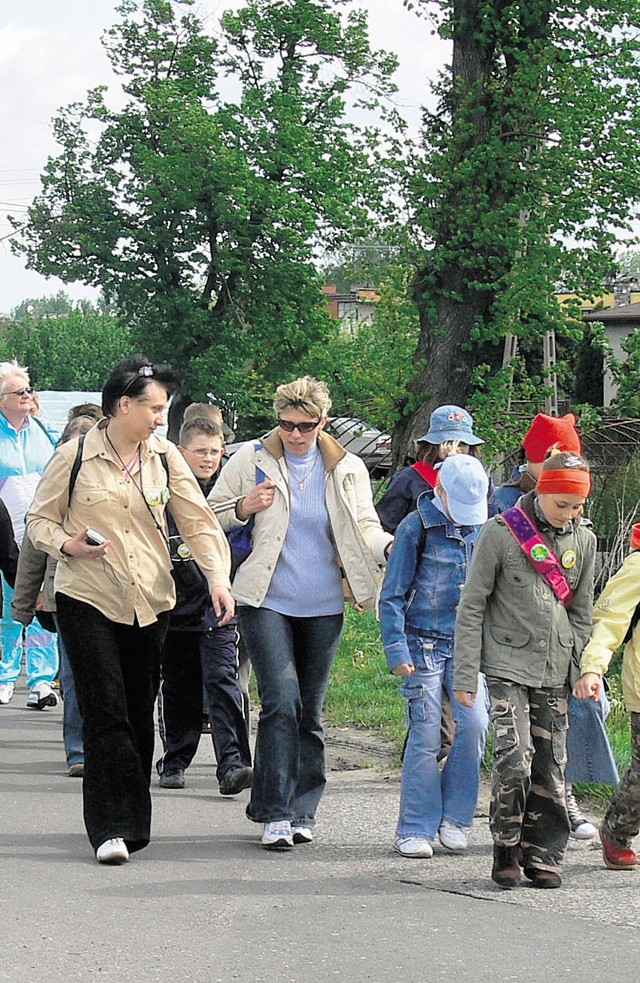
112	852
301	834
42	696
452	837
415	847
581	828
6	693
277	835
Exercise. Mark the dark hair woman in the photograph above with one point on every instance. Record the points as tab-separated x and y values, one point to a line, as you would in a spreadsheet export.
114	590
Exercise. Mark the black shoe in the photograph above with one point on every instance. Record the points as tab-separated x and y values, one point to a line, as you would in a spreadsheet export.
506	865
234	780
542	878
172	779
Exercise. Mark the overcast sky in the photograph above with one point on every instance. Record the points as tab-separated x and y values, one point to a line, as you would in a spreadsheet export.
50	54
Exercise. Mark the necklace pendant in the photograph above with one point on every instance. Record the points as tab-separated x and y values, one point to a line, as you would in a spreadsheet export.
301	485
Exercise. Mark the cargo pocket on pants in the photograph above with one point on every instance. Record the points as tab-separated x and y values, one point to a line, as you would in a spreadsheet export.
415	698
559	730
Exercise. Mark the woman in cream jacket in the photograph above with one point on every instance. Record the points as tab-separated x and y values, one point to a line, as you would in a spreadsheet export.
315	534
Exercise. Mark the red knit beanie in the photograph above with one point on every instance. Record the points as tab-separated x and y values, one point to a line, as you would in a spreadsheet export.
635	536
545	431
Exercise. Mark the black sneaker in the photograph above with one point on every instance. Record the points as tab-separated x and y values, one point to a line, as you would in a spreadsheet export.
236	779
172	779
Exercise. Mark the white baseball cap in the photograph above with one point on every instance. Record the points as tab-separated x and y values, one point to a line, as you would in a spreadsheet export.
466	485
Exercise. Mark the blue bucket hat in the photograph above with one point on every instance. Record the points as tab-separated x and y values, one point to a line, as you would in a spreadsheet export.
451	423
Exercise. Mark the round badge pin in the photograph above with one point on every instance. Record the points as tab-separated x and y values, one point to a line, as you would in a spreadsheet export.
569	559
183	551
539	552
153	496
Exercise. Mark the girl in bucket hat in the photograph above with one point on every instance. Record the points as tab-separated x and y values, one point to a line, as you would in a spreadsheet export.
450	430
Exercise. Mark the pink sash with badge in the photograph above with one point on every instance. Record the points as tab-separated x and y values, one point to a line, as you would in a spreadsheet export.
540	556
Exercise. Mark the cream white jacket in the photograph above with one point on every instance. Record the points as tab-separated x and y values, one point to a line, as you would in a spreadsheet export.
359	538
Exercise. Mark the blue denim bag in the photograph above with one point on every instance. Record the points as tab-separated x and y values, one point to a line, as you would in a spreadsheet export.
240	537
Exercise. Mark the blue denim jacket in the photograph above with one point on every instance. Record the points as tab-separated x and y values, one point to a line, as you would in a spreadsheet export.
421	590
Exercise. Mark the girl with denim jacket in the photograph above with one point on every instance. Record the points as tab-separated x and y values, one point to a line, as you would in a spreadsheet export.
427	568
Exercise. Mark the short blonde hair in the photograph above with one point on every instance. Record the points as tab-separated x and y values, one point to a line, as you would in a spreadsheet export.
7	369
306	394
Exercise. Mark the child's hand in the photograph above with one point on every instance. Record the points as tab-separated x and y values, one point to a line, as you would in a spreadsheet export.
403	669
465	699
588	686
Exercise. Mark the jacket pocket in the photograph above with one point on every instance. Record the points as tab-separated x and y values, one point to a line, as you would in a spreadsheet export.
91	495
512	637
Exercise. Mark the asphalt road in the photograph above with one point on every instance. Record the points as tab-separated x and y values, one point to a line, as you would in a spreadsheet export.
205	903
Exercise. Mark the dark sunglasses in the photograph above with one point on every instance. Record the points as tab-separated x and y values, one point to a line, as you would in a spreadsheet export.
300	427
21	392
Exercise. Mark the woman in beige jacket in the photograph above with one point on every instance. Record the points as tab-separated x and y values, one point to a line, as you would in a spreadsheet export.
315	530
114	587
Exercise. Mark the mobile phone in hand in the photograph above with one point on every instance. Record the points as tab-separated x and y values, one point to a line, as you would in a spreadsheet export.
95	538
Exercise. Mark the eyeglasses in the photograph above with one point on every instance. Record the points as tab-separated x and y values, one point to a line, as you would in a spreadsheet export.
300	427
202	453
20	392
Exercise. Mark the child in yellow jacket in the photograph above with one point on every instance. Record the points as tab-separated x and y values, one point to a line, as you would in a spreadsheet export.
613	616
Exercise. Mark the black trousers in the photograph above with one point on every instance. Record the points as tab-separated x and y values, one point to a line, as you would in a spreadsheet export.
116	670
189	661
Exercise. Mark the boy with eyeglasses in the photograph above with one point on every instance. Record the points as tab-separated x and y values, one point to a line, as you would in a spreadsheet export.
198	652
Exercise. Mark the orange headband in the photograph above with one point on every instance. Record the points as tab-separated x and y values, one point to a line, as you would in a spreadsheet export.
564	481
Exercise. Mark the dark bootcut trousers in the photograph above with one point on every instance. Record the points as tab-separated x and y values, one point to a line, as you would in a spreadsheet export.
622	819
529	757
292	659
189	660
116	669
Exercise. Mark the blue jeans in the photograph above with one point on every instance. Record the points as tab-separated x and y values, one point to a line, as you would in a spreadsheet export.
590	758
71	716
40	647
292	659
429	796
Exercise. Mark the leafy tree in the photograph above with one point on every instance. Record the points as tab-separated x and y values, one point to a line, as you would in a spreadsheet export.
369	371
73	350
528	171
200	215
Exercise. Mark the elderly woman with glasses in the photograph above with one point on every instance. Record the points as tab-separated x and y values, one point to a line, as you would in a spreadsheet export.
314	532
100	511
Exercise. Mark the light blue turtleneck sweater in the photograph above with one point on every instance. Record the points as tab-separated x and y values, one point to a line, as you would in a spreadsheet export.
306	582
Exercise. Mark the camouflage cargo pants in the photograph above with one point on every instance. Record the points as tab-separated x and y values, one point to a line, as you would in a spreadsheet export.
622	819
529	758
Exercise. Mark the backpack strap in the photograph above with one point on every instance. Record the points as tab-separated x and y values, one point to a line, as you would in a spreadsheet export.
540	556
75	467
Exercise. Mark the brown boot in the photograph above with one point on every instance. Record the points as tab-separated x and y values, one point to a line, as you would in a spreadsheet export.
542	878
506	866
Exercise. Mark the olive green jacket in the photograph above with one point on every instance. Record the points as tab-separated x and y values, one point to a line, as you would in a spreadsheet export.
510	624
